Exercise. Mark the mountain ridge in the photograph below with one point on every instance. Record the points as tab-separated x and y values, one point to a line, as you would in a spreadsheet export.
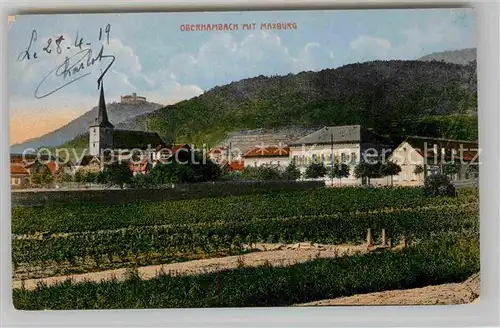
461	56
377	94
387	96
118	112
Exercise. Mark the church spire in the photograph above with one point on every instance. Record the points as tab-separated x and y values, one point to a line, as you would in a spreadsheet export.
102	118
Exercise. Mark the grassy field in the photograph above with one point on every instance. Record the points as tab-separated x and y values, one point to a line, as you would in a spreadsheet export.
57	240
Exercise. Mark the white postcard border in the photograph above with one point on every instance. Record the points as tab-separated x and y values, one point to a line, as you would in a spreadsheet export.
483	314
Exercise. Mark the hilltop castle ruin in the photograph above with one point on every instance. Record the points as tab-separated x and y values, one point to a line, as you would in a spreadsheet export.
132	99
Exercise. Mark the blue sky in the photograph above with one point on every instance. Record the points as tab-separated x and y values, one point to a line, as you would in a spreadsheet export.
156	59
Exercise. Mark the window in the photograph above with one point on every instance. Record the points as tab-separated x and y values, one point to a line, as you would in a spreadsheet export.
353	158
322	157
95	131
278	163
342	158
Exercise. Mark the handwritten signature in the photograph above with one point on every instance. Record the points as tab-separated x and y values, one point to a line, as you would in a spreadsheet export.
74	67
69	69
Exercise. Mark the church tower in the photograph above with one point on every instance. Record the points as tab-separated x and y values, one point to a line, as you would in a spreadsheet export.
101	132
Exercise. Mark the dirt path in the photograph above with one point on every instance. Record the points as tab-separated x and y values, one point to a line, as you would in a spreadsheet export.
454	293
274	254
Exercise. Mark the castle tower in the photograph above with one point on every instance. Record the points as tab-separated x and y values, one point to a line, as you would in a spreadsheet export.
101	133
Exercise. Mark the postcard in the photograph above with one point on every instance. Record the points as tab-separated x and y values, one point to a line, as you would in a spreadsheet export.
244	159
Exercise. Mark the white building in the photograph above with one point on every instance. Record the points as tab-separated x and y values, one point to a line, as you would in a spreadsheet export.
431	154
346	144
267	155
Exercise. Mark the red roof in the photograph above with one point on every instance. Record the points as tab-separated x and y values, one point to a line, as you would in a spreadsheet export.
53	167
236	166
469	148
18	169
269	151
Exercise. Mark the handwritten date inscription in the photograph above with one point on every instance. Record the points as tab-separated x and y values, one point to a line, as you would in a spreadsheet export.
75	66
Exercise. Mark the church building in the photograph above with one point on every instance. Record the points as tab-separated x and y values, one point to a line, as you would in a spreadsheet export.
105	140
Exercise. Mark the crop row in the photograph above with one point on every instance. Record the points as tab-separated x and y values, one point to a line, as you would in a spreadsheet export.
216	237
92	217
430	262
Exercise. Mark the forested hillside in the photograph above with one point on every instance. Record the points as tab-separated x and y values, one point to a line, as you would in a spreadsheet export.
393	98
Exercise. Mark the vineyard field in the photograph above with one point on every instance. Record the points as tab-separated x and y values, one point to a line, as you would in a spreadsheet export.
430	262
326	201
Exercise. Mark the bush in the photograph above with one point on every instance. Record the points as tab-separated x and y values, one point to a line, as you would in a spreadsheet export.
193	169
141	181
263	173
439	185
292	172
115	174
315	171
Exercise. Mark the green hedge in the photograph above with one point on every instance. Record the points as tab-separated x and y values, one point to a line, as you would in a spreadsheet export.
181	191
94	216
431	262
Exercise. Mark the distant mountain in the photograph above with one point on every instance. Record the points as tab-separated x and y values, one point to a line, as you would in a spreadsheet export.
461	57
393	98
118	112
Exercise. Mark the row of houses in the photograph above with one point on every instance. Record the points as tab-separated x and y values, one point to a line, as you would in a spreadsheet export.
350	144
346	144
353	144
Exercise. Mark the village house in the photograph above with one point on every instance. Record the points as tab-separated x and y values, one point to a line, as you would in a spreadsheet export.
432	155
23	167
88	164
348	144
227	158
19	176
267	155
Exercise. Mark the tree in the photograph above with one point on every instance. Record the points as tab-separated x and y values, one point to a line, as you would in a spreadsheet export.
473	169
140	181
315	170
450	168
64	177
211	171
419	169
339	171
194	168
79	176
262	173
117	173
390	169
44	177
439	185
365	170
91	177
292	172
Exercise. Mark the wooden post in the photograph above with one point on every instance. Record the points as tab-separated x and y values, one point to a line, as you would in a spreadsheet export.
369	239
404	242
389	243
383	238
